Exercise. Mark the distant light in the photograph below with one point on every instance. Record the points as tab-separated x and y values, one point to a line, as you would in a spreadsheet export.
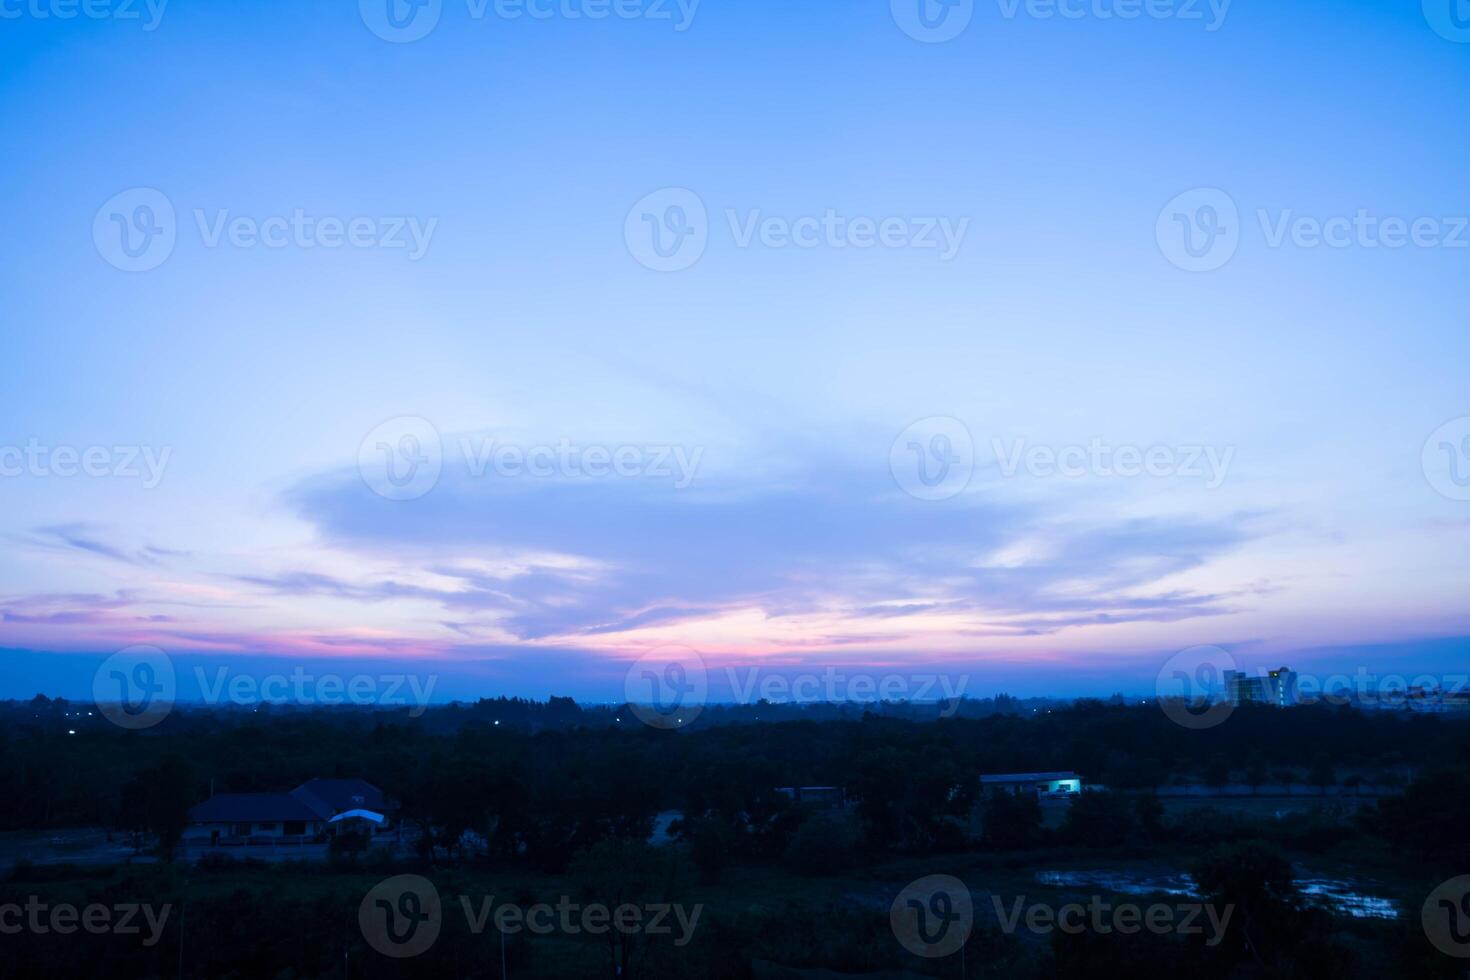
71	731
497	721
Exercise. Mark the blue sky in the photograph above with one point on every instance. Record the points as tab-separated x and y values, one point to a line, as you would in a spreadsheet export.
1330	527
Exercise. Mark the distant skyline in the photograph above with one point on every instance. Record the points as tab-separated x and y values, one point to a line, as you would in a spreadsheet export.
799	336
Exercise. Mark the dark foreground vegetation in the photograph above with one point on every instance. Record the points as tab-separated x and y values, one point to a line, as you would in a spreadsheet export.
550	805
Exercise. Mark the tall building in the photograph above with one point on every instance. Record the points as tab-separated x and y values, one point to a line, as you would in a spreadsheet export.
1282	683
1278	687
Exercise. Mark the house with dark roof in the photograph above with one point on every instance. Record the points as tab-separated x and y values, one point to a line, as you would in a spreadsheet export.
310	812
815	797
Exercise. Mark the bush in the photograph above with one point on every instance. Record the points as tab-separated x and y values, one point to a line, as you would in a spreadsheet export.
1098	818
215	861
1012	821
710	839
825	844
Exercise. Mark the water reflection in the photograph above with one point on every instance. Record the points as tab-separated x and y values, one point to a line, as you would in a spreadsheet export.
1340	896
1343	897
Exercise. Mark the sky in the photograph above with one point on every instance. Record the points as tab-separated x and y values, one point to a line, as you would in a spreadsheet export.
508	342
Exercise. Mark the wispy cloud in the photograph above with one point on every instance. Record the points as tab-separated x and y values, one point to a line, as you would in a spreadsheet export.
90	539
842	541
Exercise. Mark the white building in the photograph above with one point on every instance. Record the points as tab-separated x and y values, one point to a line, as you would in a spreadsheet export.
1043	784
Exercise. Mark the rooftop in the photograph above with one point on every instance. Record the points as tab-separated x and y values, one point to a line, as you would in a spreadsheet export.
315	799
1027	777
254	808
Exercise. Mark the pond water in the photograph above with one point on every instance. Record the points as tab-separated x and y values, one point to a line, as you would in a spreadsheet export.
1122	882
1342	896
1345	897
